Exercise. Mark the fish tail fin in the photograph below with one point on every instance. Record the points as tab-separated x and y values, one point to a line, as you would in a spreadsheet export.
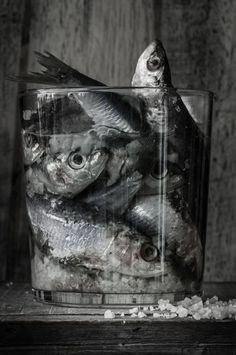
54	66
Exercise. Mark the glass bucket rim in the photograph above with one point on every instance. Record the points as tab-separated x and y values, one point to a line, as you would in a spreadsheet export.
61	89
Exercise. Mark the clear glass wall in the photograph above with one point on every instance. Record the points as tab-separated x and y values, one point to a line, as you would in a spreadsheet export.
116	189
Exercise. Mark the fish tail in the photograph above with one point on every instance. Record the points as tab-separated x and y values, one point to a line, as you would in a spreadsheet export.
54	66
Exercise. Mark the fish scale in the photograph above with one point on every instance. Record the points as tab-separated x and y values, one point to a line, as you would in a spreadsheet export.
109	109
89	237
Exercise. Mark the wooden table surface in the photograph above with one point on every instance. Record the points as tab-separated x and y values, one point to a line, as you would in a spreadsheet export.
30	327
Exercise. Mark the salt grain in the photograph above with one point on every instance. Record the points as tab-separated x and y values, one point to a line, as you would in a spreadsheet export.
182	312
133	310
196	316
156	315
109	314
141	314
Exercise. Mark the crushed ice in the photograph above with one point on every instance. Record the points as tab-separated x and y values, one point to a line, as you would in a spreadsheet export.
193	307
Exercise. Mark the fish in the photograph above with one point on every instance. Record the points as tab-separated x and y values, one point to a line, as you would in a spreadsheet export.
64	171
165	219
167	115
116	198
71	234
166	112
57	73
112	113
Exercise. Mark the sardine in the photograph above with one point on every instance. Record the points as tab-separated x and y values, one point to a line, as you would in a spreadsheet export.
112	113
116	198
67	171
72	234
167	221
167	114
56	73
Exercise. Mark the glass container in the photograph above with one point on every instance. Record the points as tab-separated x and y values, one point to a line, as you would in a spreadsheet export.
116	192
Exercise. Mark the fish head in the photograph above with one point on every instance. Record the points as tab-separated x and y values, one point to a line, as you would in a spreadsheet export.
152	67
69	173
136	255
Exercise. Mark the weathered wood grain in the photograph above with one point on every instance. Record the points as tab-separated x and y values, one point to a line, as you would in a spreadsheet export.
100	38
17	251
11	15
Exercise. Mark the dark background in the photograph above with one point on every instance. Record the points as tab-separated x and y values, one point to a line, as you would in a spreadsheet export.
103	39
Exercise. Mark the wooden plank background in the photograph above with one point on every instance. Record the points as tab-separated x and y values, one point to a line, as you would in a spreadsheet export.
104	39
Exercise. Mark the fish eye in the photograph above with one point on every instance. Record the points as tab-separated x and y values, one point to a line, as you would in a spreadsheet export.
149	252
153	64
76	160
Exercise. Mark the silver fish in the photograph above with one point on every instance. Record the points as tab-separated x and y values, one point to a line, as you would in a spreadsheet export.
167	114
112	113
66	171
115	198
56	73
170	227
73	235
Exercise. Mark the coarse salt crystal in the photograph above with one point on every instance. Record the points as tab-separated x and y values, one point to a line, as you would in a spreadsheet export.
141	314
197	316
122	314
133	310
109	314
214	299
173	315
172	308
185	302
196	306
196	299
156	315
182	312
170	315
